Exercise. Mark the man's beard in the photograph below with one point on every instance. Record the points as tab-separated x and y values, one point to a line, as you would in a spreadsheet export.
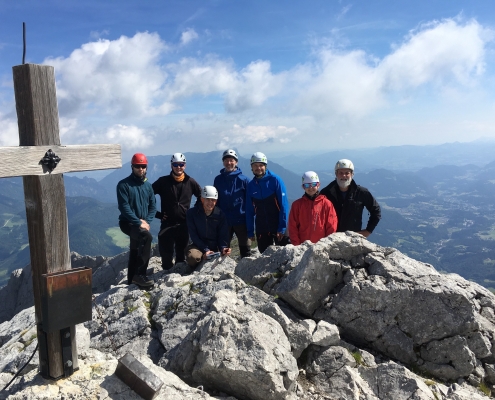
343	183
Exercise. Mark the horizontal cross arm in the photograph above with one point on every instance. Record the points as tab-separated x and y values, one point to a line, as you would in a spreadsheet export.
26	160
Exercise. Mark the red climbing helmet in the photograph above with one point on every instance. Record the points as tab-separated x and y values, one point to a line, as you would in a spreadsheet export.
139	159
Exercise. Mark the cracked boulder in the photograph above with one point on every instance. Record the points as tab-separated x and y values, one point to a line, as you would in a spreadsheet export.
239	350
410	312
121	322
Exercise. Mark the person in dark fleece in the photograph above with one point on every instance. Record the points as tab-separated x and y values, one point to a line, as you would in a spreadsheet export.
137	207
175	191
349	200
208	228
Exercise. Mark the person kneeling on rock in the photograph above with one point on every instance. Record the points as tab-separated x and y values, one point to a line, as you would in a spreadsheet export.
208	229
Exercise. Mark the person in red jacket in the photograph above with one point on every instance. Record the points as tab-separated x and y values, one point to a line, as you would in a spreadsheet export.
312	217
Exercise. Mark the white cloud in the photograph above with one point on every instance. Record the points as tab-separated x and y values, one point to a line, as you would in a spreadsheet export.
256	134
188	36
9	132
354	84
341	83
248	88
99	34
129	136
438	52
104	84
344	11
253	86
121	77
206	77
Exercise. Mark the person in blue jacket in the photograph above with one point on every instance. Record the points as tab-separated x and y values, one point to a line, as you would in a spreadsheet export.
136	201
231	185
207	227
267	206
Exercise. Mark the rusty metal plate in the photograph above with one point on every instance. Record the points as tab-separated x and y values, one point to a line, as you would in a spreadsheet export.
66	298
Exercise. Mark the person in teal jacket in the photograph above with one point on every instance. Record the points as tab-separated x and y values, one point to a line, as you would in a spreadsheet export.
137	206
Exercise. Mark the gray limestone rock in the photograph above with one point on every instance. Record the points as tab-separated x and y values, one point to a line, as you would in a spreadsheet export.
96	379
348	246
326	334
18	339
448	358
120	316
239	350
400	306
333	372
213	329
17	295
298	334
313	278
272	264
390	381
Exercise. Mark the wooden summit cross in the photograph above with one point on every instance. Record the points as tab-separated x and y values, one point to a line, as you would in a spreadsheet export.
46	212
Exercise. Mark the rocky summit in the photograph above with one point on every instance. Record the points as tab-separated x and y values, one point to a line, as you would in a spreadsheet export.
340	319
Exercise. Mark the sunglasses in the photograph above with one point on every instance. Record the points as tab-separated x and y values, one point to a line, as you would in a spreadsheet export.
138	166
309	185
176	164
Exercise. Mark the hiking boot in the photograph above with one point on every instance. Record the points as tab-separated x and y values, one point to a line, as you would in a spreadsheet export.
142	281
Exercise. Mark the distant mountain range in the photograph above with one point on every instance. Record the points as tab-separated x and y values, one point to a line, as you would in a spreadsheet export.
394	158
441	214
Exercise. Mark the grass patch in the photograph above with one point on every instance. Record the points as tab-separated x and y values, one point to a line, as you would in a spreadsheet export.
485	389
119	238
131	308
358	357
30	340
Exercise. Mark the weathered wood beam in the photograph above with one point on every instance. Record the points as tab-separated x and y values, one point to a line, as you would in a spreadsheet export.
22	161
46	212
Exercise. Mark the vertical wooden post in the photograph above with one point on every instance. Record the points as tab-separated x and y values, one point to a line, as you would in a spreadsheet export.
46	212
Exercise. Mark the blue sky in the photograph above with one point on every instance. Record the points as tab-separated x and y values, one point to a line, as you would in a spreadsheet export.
271	76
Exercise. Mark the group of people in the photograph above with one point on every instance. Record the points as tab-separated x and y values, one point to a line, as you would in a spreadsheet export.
253	209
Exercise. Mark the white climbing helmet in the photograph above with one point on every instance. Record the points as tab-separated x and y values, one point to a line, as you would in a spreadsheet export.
209	192
344	163
178	157
230	153
310	177
259	157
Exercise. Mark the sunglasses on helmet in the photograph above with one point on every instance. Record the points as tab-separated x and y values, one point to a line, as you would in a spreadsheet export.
309	185
178	164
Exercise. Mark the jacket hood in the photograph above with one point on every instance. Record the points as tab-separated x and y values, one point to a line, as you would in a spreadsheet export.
237	171
266	176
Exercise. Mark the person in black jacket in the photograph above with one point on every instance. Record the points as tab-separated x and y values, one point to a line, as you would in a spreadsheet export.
349	200
175	191
208	229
